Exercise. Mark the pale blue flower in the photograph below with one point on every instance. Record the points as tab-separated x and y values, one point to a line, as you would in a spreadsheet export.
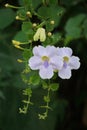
69	62
46	61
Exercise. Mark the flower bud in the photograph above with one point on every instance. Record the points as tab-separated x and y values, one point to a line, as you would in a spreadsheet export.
34	24
18	47
15	42
7	5
29	14
40	34
17	17
52	22
19	60
49	34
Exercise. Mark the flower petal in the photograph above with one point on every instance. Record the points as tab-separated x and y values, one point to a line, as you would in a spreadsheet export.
35	63
42	35
74	62
64	51
56	62
46	73
39	51
37	35
51	51
65	73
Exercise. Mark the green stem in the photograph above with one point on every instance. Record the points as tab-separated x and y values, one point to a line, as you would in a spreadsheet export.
45	114
42	24
12	6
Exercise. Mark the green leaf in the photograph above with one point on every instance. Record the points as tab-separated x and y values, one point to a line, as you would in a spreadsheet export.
55	2
26	26
85	28
27	91
46	98
34	79
54	14
36	3
54	86
27	54
74	33
27	29
21	36
73	26
45	85
74	21
56	37
27	4
49	27
21	13
7	16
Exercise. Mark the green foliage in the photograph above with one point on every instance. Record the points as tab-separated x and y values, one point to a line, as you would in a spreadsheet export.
26	26
26	55
2	95
36	3
54	86
21	13
44	85
27	92
27	29
85	28
73	26
21	36
55	13
7	16
34	79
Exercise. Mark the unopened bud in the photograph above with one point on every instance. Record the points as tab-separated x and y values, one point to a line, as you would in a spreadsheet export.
29	14
18	47
17	17
19	60
52	22
34	24
16	42
49	34
7	5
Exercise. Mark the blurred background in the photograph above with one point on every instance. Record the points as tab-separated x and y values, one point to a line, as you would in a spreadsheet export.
70	102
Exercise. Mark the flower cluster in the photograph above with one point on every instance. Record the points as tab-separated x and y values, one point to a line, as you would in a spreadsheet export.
50	59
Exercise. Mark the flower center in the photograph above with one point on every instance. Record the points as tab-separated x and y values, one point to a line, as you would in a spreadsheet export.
45	61
66	59
45	58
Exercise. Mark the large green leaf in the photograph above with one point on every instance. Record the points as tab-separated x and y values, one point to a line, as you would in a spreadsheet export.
51	13
71	2
36	3
7	16
27	29
73	26
21	36
85	28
